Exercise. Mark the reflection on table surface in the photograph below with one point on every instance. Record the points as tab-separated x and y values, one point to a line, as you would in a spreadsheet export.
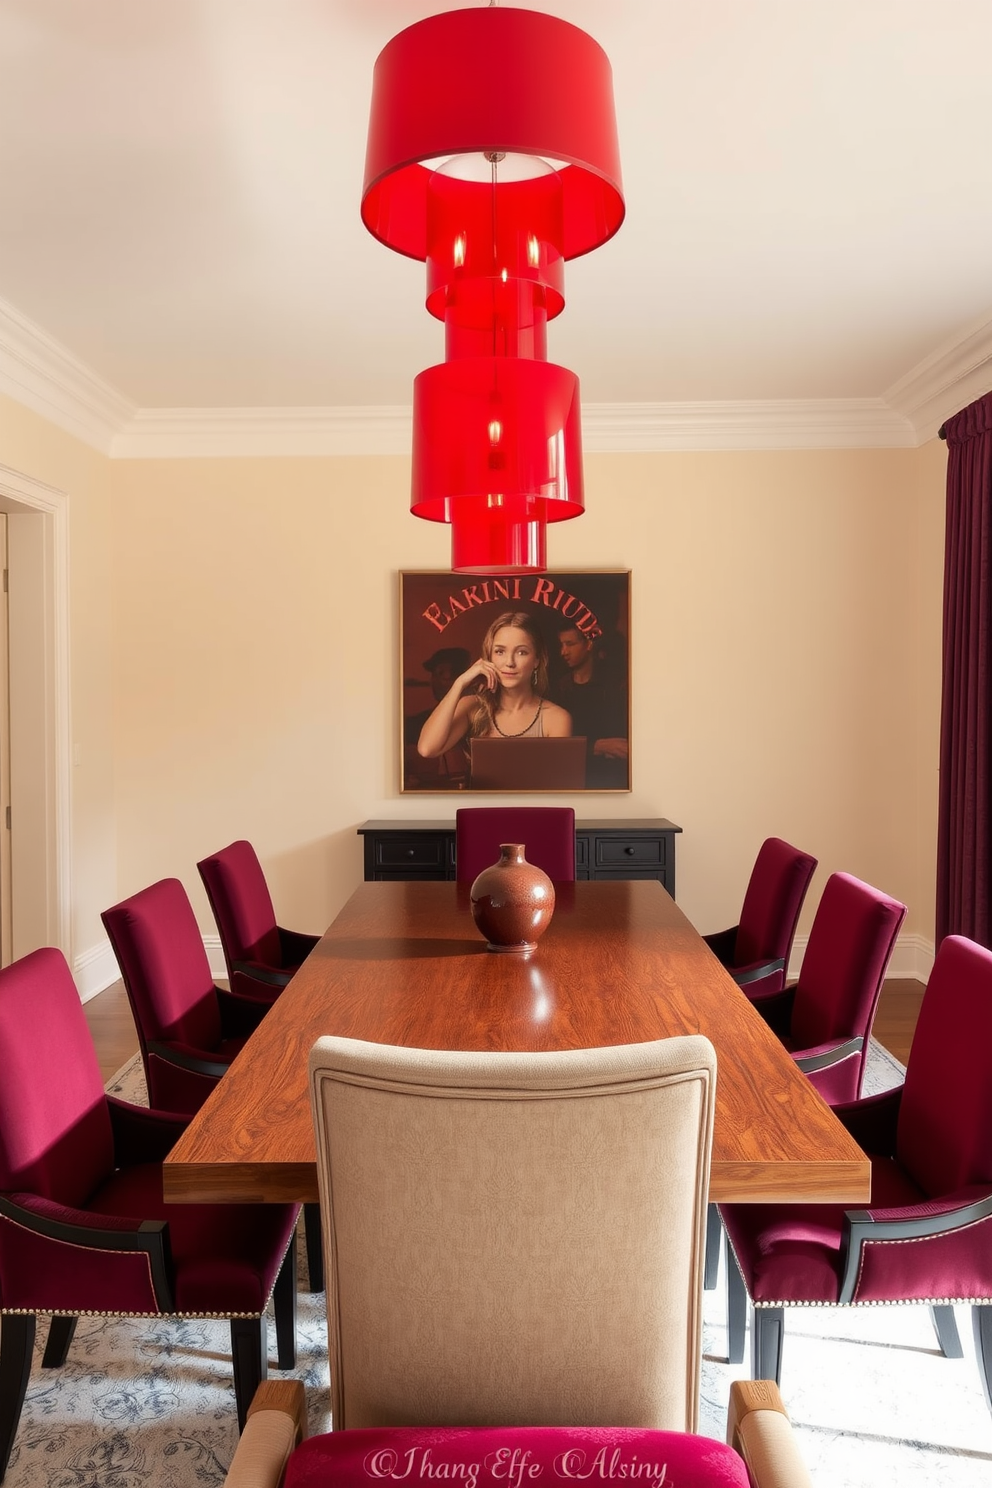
404	964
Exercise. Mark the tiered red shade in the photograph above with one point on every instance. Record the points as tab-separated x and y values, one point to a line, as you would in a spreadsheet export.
492	155
497	444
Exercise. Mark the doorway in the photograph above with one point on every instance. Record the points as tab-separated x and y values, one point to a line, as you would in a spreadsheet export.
37	876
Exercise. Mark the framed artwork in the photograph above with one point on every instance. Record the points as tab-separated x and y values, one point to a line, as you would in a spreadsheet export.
515	683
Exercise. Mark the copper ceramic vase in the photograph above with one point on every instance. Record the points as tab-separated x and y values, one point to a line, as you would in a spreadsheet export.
512	901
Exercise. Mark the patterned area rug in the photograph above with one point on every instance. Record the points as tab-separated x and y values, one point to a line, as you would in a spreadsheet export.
151	1405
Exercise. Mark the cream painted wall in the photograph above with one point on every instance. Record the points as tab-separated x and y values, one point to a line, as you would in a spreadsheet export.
786	612
256	641
37	449
779	604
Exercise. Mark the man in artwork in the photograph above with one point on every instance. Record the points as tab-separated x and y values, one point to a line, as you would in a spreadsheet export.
597	700
449	769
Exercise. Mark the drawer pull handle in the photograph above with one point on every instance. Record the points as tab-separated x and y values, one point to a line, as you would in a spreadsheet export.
629	851
411	852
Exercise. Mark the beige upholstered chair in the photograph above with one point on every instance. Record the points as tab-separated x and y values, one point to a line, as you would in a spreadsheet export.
758	1429
514	1239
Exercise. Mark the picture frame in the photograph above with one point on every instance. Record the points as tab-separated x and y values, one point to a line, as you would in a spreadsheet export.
583	671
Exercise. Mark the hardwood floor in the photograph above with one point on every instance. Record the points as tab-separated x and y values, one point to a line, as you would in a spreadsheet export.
895	1020
112	1027
109	1017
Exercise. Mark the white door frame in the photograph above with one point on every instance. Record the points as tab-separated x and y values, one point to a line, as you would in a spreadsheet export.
47	819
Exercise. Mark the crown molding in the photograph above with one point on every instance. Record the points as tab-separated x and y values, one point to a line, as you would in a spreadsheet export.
43	375
785	424
226	433
947	380
608	428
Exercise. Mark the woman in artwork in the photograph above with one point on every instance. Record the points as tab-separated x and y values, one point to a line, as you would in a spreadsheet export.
503	693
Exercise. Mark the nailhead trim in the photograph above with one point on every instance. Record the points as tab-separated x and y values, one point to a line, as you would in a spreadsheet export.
88	1312
896	1302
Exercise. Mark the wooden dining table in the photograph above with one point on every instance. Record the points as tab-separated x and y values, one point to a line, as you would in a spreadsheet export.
403	963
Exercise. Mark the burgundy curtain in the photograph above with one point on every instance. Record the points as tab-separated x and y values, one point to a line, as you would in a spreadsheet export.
964	827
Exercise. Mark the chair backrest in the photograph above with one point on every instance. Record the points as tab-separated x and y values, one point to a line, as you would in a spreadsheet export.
514	1238
165	969
55	1137
547	832
944	1136
242	905
850	942
772	902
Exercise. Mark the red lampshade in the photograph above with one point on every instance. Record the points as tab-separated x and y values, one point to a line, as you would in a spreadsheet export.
496	427
473	240
497	452
513	81
492	155
493	540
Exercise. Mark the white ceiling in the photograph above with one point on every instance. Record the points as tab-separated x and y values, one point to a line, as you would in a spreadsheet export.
808	185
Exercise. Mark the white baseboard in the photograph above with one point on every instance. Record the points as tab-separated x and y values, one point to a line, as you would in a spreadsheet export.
218	967
96	969
912	958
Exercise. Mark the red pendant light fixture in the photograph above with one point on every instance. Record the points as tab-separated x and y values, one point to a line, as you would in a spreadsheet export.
492	156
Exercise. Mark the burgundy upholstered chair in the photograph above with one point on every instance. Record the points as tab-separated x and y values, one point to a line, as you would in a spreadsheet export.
825	1019
927	1236
189	1030
83	1224
261	956
547	832
756	951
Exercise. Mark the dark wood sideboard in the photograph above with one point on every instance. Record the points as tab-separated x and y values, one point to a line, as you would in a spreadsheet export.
628	847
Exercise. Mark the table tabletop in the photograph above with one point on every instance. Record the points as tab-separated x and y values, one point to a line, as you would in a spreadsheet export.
404	964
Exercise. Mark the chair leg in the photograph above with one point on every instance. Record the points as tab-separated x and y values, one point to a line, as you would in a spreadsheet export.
60	1333
714	1234
315	1252
981	1322
767	1337
736	1310
249	1351
284	1299
946	1330
16	1343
